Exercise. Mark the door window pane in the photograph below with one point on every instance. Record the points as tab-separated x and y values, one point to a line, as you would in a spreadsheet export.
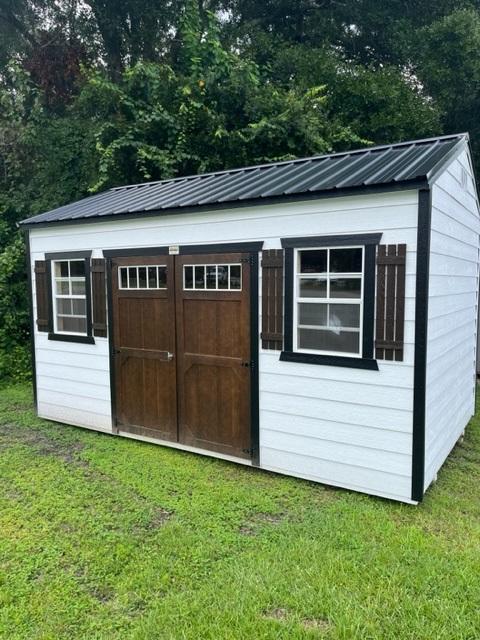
214	277
200	277
235	276
222	276
162	277
211	276
132	278
142	277
188	277
152	278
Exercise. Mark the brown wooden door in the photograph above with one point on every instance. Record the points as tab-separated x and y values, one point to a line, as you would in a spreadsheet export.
213	351
144	346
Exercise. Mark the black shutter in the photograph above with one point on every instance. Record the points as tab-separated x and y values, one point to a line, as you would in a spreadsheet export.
42	295
272	299
390	321
99	297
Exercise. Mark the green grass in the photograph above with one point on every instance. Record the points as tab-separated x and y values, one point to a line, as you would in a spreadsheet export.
105	538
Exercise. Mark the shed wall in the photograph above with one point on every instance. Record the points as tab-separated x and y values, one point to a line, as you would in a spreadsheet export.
452	312
341	426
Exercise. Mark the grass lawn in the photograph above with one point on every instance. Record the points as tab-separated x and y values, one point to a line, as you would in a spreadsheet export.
104	538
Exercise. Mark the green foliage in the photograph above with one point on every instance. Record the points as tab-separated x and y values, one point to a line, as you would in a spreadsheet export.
111	539
449	66
14	312
102	92
212	112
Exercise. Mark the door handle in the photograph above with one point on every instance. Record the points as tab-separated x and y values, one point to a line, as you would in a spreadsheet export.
169	356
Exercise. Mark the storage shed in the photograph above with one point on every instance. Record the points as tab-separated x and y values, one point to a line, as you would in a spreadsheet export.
314	317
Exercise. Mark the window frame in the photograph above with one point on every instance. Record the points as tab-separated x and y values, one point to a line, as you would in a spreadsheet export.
54	334
137	267
216	265
365	359
327	300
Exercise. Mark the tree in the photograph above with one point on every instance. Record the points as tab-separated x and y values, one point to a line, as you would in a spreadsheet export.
449	67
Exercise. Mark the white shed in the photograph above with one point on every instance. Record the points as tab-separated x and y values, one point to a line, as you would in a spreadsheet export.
314	317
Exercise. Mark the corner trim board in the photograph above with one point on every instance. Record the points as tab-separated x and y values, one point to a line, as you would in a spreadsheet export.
421	329
254	344
32	322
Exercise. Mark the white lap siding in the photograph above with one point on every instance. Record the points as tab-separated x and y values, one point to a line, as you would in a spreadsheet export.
452	312
341	426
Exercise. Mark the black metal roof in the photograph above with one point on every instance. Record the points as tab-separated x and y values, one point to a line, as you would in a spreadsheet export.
388	165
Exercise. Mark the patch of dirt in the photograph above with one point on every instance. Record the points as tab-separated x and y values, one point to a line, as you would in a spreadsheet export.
276	614
159	518
11	435
251	526
281	614
318	624
102	593
13	494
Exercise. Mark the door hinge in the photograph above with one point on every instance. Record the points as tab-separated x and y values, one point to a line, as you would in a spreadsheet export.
250	452
248	260
249	365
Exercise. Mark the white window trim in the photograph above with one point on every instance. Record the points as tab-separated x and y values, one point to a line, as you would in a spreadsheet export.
59	296
327	300
137	267
216	265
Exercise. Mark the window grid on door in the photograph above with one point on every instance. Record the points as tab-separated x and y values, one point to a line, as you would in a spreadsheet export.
212	277
143	277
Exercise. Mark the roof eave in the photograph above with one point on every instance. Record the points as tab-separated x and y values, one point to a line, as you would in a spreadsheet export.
403	185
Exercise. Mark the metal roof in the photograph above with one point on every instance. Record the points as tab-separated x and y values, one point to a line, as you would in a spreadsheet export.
384	166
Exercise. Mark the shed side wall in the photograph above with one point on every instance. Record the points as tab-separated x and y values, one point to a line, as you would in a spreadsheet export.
452	312
347	427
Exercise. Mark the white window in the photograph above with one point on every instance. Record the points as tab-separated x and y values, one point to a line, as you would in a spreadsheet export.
143	277
69	296
328	305
213	277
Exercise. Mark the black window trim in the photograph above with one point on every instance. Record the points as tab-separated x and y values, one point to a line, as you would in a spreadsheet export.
65	337
370	242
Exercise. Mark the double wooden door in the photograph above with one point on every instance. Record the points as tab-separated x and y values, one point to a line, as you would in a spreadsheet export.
181	349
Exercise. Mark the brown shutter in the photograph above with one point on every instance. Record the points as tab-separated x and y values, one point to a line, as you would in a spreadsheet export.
41	290
99	297
390	302
272	299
